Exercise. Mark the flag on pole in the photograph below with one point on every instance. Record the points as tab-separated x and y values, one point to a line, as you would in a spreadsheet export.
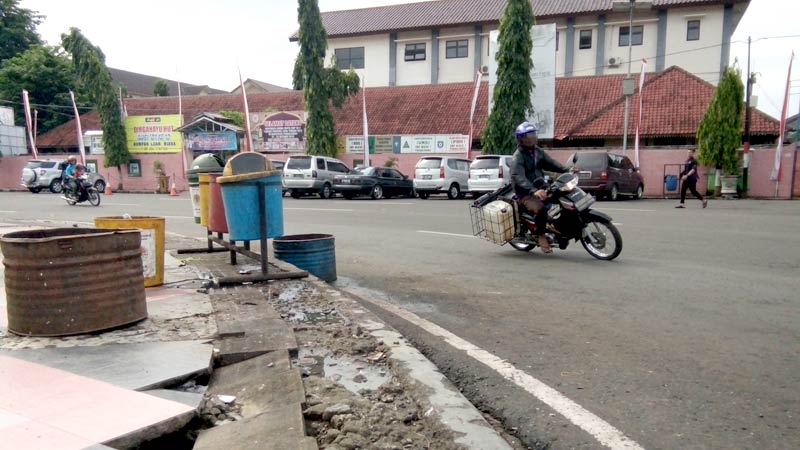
27	104
639	122
184	165
249	137
478	76
366	126
78	128
776	168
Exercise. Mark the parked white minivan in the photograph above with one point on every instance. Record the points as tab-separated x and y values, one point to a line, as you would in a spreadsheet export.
489	172
435	174
310	174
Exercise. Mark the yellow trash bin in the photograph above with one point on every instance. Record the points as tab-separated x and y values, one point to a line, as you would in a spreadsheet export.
203	198
152	229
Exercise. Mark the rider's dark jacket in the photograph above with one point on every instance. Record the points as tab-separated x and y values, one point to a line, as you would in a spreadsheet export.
527	170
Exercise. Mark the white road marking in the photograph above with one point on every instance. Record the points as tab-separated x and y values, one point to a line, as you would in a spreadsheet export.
446	234
619	224
178	217
604	432
8	212
319	209
122	204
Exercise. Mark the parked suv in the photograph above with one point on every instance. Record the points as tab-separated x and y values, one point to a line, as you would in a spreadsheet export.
311	174
39	174
489	172
607	175
435	174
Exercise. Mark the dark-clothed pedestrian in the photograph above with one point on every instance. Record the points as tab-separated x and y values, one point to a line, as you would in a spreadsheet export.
689	179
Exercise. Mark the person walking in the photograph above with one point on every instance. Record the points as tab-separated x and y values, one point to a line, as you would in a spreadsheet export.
689	179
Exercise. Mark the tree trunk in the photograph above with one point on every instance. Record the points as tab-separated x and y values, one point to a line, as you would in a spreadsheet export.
718	182
119	185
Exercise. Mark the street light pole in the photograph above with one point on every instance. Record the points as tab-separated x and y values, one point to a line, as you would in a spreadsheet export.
627	85
746	144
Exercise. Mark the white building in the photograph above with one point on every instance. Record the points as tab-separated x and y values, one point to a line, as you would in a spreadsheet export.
446	41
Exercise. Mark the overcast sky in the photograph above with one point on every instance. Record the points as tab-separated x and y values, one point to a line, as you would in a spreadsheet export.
202	41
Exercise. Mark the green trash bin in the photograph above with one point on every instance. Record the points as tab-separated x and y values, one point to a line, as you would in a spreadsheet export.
203	164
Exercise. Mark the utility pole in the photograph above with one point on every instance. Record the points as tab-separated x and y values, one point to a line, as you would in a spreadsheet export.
746	143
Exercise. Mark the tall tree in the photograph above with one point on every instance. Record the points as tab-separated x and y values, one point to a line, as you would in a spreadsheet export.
320	85
320	133
89	64
720	133
512	93
47	77
160	88
17	29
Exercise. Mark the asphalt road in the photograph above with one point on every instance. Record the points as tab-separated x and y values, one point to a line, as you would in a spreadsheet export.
690	339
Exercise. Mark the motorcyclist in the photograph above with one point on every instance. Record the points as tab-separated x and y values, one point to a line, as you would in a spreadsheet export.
527	176
70	180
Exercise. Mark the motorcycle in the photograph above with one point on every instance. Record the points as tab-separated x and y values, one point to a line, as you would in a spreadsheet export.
85	192
569	217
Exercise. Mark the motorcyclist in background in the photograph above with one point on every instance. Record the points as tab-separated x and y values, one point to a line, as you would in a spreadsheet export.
527	176
70	180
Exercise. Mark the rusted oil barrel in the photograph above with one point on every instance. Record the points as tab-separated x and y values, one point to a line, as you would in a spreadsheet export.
315	253
65	281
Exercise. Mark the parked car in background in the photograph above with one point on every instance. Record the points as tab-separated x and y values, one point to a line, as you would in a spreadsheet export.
607	175
39	174
377	182
489	172
312	175
436	174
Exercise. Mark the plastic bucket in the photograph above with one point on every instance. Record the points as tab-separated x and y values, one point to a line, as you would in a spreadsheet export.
240	195
152	244
671	183
203	177
315	253
216	208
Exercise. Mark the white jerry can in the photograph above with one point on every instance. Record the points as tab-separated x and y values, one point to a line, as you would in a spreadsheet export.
499	221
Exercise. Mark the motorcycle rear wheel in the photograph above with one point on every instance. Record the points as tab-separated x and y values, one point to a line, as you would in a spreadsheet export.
94	197
602	240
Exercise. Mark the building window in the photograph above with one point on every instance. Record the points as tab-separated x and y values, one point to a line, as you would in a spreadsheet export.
350	57
457	49
585	39
693	30
135	168
415	52
625	34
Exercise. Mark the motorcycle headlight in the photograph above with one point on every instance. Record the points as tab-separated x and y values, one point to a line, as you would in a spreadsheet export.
570	185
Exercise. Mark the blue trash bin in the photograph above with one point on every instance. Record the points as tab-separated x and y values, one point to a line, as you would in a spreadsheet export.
315	253
240	196
671	183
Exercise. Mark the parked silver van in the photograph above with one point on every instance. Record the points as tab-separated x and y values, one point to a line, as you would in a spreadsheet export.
309	174
489	172
436	174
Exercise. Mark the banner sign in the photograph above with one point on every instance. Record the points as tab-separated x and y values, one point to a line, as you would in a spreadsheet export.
154	134
438	143
543	75
217	141
282	131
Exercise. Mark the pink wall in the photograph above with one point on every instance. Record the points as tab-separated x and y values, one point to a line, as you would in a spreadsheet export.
653	161
11	169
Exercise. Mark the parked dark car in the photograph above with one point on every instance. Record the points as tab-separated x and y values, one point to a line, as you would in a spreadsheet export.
607	175
377	182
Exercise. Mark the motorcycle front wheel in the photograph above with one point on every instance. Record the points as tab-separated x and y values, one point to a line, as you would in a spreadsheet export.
94	197
601	239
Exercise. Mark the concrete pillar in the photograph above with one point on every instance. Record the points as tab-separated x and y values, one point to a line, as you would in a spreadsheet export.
569	47
435	56
661	40
392	59
600	55
478	58
727	32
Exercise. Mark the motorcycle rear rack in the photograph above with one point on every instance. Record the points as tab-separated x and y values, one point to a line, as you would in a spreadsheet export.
481	223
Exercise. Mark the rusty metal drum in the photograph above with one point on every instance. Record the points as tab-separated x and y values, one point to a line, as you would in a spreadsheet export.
66	281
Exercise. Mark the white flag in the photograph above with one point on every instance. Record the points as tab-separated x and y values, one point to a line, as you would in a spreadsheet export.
249	137
776	168
478	76
639	122
27	104
81	149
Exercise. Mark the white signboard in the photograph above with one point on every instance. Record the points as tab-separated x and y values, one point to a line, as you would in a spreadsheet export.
6	116
459	143
442	144
543	96
13	140
355	144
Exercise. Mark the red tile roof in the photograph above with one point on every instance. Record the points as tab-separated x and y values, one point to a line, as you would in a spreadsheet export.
586	107
383	19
